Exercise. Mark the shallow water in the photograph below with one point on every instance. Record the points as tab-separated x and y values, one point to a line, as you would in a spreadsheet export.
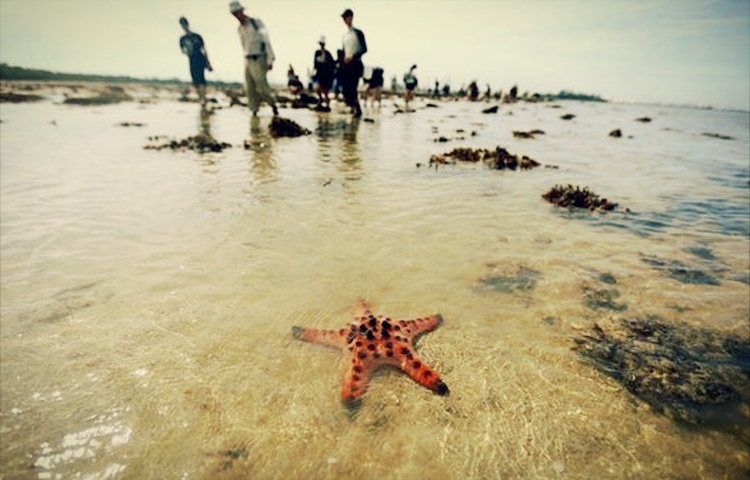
148	296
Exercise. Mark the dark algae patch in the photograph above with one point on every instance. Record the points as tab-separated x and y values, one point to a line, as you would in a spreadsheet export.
680	271
497	159
601	294
524	279
569	196
200	143
696	376
283	127
601	298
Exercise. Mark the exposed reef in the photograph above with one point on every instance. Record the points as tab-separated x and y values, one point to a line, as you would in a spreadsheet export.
283	127
570	196
13	97
497	159
529	134
200	143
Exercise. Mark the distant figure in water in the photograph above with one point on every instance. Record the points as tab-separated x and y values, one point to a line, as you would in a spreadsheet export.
374	89
410	82
192	45
473	91
323	72
293	82
513	95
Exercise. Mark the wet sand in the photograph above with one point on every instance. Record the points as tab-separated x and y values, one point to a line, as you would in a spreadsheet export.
148	295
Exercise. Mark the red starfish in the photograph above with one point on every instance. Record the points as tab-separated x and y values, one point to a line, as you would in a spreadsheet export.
376	341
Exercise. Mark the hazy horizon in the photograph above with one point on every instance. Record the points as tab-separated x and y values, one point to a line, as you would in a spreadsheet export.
664	51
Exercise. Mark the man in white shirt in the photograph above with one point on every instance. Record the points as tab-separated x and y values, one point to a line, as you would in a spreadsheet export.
352	68
259	57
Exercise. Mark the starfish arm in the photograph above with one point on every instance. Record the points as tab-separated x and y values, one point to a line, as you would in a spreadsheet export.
330	338
417	327
422	373
355	383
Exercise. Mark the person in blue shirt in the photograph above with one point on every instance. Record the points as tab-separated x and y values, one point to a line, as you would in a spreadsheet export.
192	45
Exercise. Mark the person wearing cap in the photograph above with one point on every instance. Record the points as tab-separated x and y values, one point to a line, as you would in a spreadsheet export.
192	45
352	68
323	70
259	57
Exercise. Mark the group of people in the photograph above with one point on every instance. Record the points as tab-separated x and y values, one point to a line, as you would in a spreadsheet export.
259	58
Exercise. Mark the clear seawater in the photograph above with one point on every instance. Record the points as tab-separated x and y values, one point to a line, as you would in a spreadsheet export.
147	296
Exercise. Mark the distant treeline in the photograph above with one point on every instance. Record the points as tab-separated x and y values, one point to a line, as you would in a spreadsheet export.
9	73
582	97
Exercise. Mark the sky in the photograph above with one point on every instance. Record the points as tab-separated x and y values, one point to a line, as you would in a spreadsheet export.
687	52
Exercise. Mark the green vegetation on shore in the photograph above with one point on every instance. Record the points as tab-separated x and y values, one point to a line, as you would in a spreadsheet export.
581	97
13	73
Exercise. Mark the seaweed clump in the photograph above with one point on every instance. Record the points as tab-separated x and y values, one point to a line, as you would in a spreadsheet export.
201	143
283	127
570	196
497	159
693	375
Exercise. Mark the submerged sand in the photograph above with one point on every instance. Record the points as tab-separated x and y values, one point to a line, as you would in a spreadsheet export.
148	295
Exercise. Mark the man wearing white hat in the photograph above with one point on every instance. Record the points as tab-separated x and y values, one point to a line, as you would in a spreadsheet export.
256	46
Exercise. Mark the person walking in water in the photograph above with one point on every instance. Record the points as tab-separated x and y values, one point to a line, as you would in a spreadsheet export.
352	68
192	45
410	82
323	67
259	57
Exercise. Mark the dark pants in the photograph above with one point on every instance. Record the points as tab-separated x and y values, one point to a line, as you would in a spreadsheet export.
197	67
350	73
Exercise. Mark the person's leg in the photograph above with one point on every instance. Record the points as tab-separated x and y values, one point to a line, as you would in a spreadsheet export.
262	91
355	96
253	101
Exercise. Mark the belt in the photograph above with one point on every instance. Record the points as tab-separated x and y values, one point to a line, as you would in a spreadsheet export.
253	57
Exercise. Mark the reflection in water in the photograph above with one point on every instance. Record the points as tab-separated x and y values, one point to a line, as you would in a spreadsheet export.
345	149
204	129
204	120
262	163
349	146
351	163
